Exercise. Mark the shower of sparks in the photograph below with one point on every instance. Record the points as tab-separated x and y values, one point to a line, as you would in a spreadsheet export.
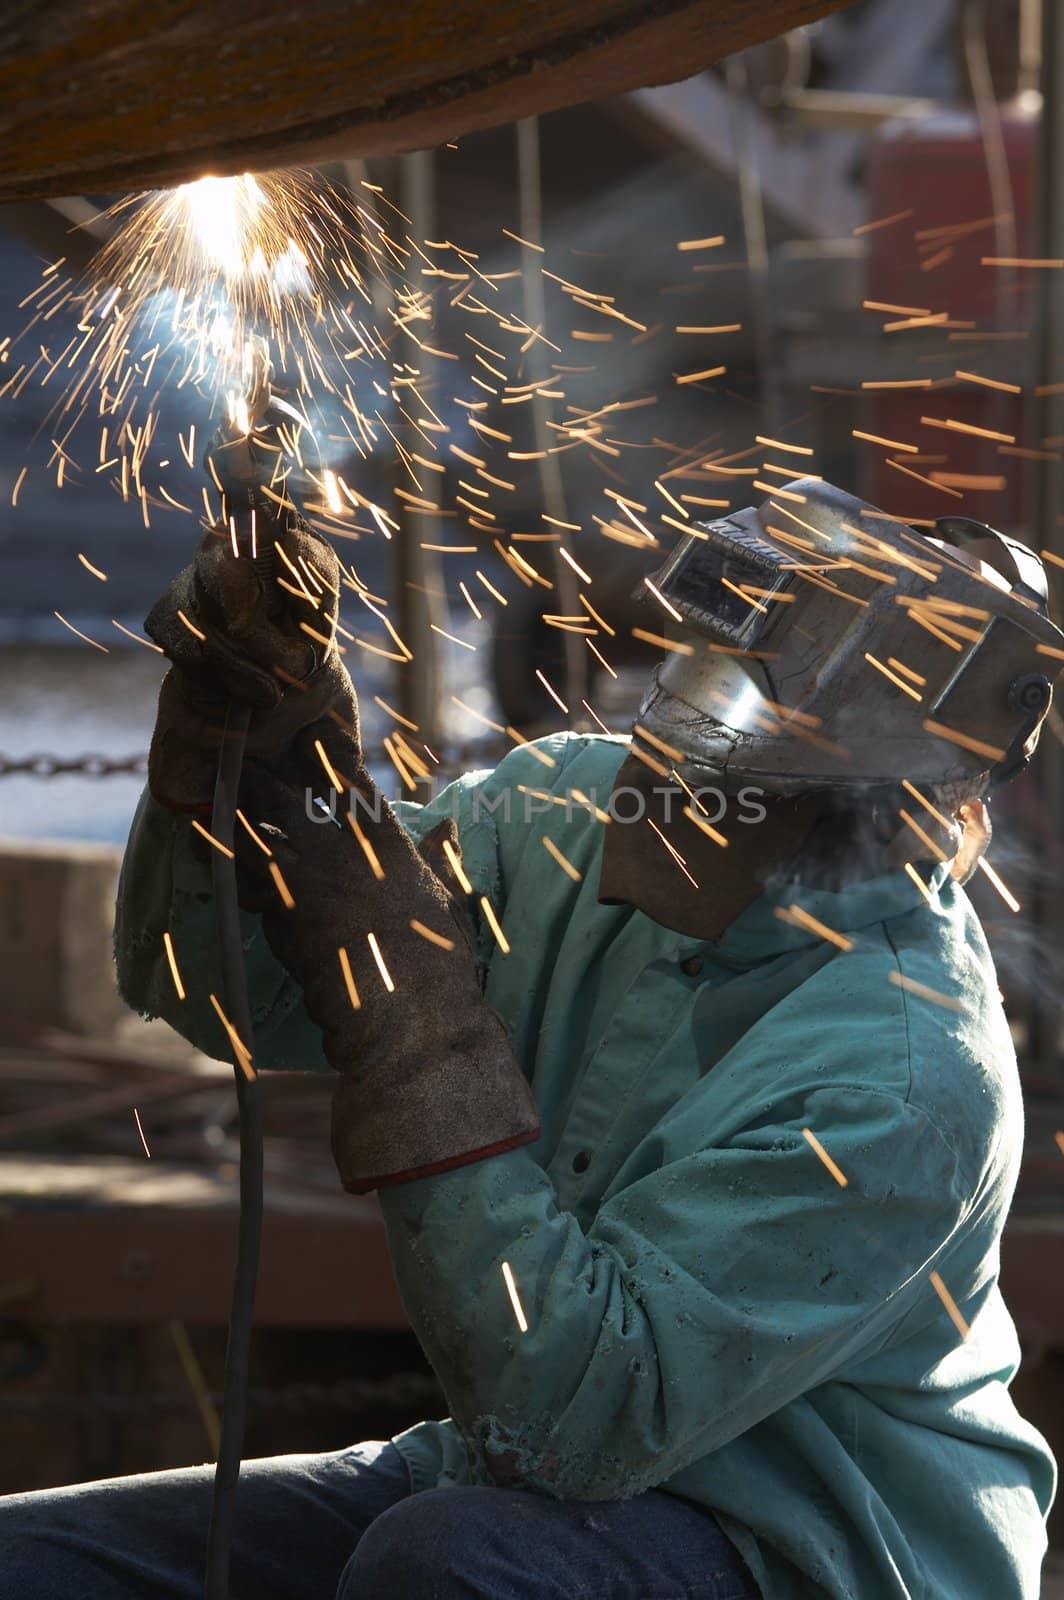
355	313
515	1299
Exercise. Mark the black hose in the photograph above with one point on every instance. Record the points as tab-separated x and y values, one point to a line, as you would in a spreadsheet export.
249	1103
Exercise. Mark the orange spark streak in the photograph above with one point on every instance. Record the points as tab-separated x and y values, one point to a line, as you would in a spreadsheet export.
836	1171
168	945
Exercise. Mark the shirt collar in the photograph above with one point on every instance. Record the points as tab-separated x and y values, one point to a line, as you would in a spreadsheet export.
758	934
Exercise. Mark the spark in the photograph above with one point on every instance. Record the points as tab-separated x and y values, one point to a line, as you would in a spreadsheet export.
1005	893
131	635
450	636
698	377
494	924
948	1001
953	426
910	788
563	861
240	1049
674	853
920	478
252	833
454	861
889	444
911	872
924	837
87	564
555	696
836	1171
81	635
375	950
780	444
798	917
882	222
222	849
432	937
168	945
396	715
675	645
701	244
511	1290
349	979
600	658
977	746
893	677
1021	261
140	1130
990	383
191	626
571	561
941	1290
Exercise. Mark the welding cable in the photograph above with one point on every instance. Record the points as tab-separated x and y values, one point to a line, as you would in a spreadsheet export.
249	1105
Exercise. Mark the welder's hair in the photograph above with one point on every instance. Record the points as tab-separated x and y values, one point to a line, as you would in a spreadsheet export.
850	841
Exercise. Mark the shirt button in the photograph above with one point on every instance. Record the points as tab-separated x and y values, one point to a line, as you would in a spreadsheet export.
581	1161
692	966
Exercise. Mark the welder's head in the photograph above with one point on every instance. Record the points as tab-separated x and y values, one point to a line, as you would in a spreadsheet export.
839	663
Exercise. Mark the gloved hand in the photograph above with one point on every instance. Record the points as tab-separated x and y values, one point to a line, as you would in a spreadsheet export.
427	1077
230	636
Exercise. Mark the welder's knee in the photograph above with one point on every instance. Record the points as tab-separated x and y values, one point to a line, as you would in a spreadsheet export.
41	1557
434	1543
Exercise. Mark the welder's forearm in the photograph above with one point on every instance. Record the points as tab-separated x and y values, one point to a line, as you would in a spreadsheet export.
166	888
554	1408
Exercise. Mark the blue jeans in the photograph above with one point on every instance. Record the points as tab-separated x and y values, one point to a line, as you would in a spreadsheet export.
345	1526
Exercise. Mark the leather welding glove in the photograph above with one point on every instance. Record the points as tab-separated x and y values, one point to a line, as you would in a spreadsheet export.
230	634
383	953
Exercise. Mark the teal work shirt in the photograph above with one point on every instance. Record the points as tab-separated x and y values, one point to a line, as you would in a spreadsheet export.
710	1310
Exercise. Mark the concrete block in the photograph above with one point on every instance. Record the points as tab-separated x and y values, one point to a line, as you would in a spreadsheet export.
56	921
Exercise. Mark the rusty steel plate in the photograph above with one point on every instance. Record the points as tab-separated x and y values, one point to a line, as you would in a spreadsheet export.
103	96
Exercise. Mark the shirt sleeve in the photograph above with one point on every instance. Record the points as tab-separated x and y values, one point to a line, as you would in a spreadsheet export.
165	887
706	1294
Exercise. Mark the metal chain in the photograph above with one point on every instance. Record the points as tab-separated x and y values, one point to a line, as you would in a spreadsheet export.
101	766
91	766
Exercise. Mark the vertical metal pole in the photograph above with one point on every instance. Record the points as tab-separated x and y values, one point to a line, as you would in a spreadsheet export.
752	209
419	589
530	194
1030	43
1047	511
417	575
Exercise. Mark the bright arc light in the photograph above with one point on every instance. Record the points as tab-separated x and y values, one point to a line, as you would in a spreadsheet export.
221	212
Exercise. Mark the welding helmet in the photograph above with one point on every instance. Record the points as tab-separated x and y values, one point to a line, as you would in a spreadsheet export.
817	643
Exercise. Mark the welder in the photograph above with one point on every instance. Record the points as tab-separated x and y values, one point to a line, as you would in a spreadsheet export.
733	1097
